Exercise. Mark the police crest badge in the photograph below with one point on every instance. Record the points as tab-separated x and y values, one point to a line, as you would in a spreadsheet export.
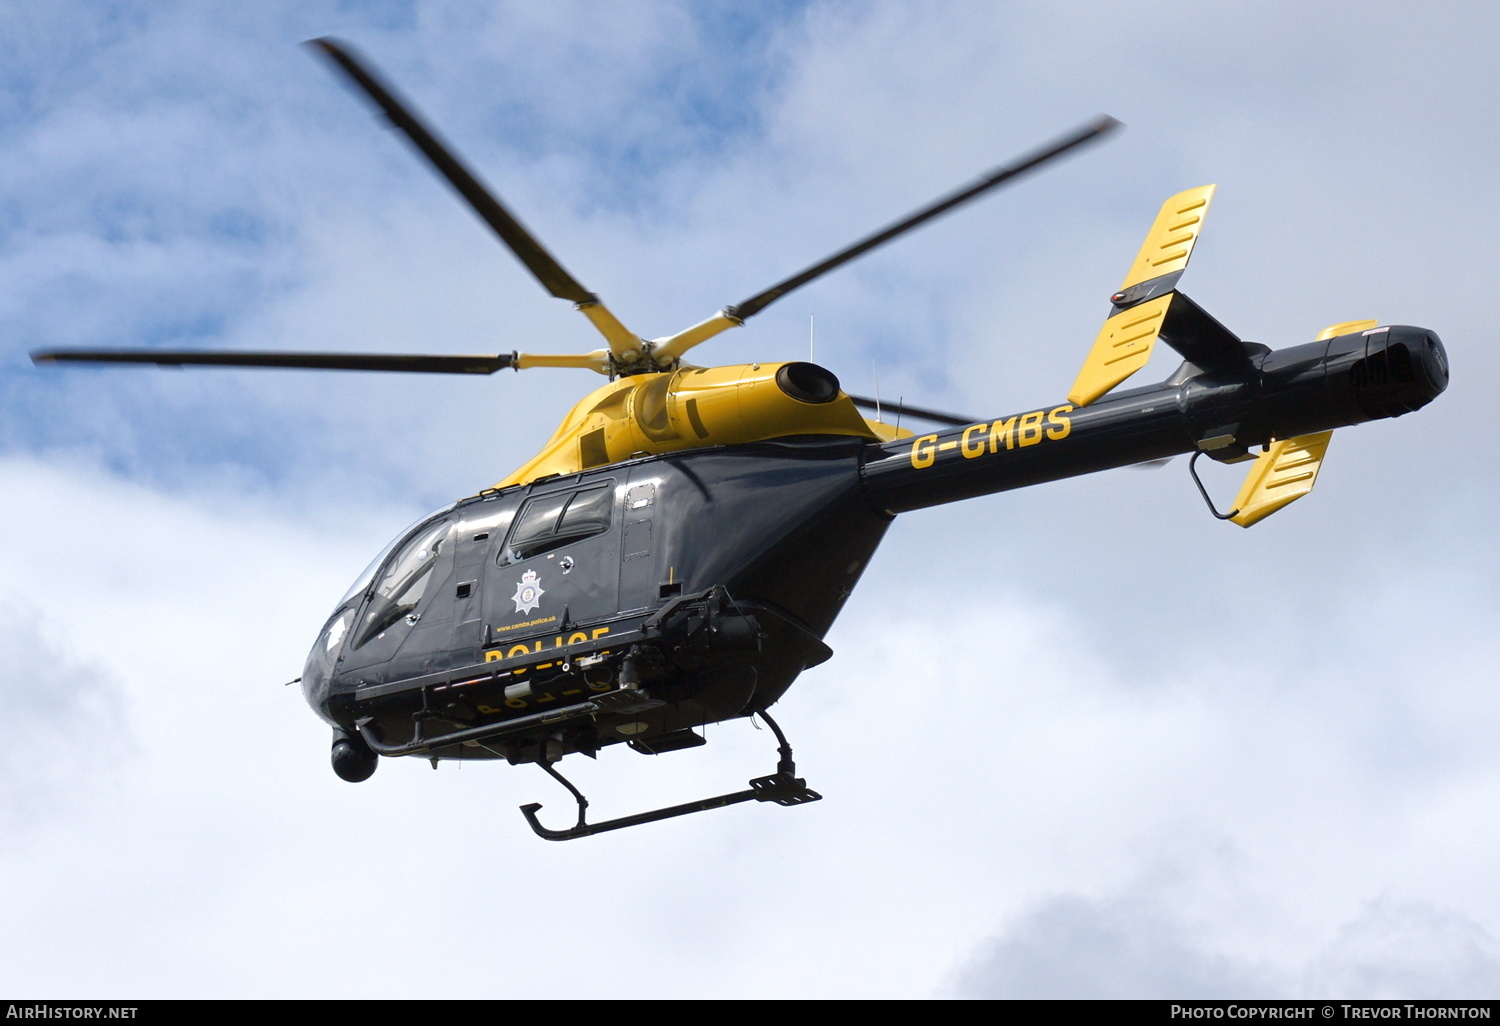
529	593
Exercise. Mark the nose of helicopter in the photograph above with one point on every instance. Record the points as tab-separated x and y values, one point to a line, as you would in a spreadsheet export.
317	672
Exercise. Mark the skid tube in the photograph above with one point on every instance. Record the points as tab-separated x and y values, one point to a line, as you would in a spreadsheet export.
783	787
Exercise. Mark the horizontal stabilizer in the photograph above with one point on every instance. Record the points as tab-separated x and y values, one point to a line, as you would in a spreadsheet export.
1122	348
1283	473
1170	242
1142	305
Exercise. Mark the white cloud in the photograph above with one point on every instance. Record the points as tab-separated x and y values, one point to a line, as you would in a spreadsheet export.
1074	948
1409	949
65	721
1136	945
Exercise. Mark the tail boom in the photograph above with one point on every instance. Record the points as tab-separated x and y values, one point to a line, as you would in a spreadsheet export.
1283	394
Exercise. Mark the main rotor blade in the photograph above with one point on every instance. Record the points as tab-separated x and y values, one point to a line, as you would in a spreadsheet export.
1088	133
623	343
935	416
521	242
304	361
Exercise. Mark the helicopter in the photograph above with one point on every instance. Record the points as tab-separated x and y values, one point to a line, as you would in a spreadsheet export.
677	551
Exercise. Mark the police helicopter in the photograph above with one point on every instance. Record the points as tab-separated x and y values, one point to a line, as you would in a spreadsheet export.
676	553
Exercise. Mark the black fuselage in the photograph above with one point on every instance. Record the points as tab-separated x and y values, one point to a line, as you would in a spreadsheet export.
640	600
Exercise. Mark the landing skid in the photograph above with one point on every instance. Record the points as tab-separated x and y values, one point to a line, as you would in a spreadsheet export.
783	787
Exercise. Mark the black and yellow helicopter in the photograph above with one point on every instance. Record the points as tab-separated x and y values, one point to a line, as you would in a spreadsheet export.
677	551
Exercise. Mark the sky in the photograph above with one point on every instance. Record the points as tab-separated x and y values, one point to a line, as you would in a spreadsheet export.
1079	740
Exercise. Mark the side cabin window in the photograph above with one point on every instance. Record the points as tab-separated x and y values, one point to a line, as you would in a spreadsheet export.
406	579
548	522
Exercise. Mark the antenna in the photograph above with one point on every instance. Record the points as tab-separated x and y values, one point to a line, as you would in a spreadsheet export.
900	407
875	371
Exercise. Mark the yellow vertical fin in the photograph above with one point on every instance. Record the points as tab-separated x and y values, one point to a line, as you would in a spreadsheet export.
1122	348
1170	242
1285	472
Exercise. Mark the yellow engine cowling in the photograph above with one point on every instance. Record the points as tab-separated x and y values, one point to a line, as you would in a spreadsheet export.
646	414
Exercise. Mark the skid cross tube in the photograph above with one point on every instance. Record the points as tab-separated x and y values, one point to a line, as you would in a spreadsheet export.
783	787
